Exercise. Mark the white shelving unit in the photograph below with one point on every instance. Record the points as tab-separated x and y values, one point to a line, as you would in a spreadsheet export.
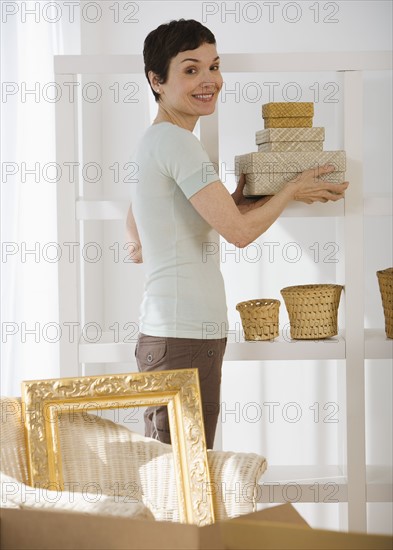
119	349
352	482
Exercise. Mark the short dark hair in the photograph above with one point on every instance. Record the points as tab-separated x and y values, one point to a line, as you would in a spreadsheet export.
169	39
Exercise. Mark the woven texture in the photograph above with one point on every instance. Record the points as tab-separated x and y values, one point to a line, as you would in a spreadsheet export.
289	162
259	318
15	494
287	109
97	450
289	134
235	478
267	173
288	122
312	310
265	184
125	466
12	440
288	146
385	280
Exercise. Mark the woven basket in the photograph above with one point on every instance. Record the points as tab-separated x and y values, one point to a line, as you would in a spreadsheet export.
259	318
312	310
385	280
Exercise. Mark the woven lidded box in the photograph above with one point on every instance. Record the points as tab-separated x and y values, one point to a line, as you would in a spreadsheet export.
289	134
290	139
267	173
287	109
288	122
288	146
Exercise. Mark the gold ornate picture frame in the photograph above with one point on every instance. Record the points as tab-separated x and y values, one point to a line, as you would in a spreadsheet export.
179	390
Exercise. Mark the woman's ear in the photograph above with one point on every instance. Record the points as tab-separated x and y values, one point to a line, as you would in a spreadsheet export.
153	79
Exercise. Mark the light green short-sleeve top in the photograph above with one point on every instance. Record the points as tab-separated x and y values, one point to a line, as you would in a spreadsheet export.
184	294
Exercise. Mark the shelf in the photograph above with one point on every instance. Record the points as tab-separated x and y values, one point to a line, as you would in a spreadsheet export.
326	484
117	210
379	484
283	348
315	210
86	210
303	484
106	350
380	205
233	62
377	345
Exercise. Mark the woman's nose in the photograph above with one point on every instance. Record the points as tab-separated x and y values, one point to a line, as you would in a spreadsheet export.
211	80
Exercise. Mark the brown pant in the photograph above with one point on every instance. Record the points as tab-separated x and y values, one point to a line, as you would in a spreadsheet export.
156	353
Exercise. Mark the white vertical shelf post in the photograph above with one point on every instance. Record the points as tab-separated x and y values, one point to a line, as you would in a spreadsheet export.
209	135
354	302
66	152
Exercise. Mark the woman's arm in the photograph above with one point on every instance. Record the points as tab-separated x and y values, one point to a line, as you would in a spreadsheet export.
215	204
133	240
243	203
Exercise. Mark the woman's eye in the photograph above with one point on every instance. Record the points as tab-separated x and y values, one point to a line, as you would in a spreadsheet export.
193	70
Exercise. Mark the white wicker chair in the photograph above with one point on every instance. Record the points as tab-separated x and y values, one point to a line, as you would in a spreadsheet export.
134	468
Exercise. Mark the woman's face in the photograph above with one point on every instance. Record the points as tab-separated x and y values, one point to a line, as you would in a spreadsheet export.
193	84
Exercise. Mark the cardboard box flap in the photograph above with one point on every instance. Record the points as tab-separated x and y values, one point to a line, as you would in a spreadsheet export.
252	535
284	513
58	530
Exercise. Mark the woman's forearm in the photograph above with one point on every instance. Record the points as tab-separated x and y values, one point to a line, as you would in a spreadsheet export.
221	210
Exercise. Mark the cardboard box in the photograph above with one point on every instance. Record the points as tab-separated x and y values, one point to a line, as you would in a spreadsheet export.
277	527
269	535
267	173
287	109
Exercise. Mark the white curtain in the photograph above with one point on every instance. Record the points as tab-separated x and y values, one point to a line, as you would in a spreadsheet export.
29	296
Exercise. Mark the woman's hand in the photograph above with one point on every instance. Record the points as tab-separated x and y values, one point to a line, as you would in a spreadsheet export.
308	187
243	203
134	252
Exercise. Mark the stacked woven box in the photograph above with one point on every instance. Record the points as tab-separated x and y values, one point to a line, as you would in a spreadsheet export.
288	145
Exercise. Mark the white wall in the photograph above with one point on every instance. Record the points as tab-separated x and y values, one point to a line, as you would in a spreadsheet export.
114	288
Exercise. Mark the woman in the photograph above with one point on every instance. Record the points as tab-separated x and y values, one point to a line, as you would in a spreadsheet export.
178	206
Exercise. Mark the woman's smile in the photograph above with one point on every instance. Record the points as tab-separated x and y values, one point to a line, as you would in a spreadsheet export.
204	98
